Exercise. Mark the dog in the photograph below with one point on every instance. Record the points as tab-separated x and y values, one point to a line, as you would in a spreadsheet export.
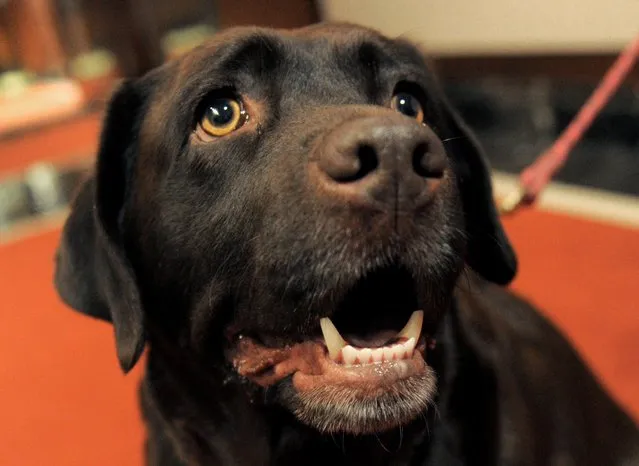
300	229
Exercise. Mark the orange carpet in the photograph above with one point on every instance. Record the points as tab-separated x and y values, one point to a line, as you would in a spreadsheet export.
64	402
62	397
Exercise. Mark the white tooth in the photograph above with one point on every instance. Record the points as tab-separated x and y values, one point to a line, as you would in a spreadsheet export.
365	355
413	327
349	354
398	352
410	347
332	338
388	353
378	355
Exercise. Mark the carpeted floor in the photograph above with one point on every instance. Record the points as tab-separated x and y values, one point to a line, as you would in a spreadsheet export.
63	400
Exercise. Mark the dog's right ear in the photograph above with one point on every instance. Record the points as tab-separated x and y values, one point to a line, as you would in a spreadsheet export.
93	274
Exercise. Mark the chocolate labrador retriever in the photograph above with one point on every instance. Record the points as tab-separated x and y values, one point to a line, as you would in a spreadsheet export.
301	230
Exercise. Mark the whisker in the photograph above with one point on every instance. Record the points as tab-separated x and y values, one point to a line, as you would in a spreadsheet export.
454	138
334	439
466	275
426	424
380	442
437	413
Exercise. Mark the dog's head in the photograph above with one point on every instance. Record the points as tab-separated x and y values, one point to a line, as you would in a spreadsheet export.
271	187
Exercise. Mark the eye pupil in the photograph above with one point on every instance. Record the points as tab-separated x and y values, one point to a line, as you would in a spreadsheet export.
221	112
408	105
222	116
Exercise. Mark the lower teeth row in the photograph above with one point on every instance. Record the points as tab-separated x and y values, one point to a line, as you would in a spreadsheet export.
350	355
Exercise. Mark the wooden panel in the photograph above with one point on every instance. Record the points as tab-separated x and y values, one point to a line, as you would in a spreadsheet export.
273	13
31	23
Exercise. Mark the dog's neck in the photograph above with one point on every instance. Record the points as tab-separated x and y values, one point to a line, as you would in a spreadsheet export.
209	419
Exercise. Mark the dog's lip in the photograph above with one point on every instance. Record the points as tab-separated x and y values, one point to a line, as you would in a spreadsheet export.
310	366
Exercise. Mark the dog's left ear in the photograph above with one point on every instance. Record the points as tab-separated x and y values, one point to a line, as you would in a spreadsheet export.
489	252
93	273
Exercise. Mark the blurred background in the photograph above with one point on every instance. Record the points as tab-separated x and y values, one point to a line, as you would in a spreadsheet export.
518	72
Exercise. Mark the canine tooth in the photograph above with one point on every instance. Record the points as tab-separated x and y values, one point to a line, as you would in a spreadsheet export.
332	338
410	347
378	355
365	355
349	355
413	327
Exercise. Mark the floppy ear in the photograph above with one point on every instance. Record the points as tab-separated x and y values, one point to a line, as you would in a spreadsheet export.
489	252
93	274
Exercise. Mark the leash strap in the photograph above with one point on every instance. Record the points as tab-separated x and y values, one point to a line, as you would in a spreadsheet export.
537	175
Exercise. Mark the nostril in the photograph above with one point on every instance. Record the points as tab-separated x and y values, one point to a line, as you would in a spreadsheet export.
422	163
364	161
368	161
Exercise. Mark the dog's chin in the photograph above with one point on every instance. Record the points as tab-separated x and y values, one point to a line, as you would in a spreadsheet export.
381	403
334	409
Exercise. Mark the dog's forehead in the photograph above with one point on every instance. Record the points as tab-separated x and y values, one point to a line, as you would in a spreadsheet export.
315	47
310	37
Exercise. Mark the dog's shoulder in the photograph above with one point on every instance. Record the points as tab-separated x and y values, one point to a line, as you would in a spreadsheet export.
544	387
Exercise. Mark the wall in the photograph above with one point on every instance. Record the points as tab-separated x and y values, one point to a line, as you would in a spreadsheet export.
498	26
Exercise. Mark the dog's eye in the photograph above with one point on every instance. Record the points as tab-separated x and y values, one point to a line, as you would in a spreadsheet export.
222	116
409	105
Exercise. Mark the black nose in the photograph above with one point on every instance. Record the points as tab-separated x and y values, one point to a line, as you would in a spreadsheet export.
387	158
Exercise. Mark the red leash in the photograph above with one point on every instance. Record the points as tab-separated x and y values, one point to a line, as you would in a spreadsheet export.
536	176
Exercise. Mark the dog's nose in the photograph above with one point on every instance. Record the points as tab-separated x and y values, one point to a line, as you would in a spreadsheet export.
387	159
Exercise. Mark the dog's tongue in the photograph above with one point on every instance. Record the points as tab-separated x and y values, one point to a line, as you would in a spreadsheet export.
371	340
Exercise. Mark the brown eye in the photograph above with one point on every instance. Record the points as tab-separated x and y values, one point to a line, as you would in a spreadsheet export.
222	116
409	105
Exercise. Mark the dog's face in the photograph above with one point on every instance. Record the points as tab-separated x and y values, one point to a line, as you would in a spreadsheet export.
295	207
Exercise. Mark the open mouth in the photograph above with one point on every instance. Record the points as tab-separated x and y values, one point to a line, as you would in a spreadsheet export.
399	347
368	376
363	366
